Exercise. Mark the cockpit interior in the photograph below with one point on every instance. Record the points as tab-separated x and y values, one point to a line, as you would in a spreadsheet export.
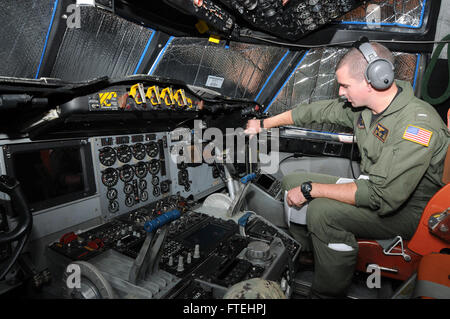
125	168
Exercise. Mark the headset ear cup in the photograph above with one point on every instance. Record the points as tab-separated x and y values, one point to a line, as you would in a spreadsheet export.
380	74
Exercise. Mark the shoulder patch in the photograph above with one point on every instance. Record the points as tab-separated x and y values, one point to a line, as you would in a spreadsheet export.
360	122
381	132
418	135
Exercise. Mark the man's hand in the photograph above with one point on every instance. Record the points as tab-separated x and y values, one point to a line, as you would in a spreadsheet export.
253	127
295	197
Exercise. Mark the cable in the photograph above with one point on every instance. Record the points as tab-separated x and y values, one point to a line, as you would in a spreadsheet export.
304	46
429	71
351	156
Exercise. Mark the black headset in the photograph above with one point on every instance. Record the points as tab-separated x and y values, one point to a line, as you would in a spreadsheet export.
379	72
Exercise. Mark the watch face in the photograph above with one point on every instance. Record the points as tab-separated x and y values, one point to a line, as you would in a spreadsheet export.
306	187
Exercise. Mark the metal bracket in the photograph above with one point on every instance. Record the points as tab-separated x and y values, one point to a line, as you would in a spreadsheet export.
388	250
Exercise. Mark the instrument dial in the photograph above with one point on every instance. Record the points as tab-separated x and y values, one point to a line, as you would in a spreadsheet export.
155	180
126	173
141	169
142	184
111	194
110	177
128	188
156	191
152	149
107	156
154	166
113	206
129	201
165	187
144	196
138	151
124	153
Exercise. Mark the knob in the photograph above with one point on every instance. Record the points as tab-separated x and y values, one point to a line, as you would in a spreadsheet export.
258	250
189	258
180	266
197	251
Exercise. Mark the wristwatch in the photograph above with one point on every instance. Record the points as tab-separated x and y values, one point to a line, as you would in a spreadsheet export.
261	123
306	190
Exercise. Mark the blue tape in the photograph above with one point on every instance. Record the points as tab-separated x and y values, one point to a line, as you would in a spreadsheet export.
271	74
289	77
159	56
159	221
145	51
417	71
55	5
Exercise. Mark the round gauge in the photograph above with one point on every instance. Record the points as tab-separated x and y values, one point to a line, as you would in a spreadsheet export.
138	151
144	196
110	177
129	201
128	188
113	206
142	184
126	173
155	180
141	169
183	177
165	187
107	156
111	194
124	153
156	191
154	166
152	149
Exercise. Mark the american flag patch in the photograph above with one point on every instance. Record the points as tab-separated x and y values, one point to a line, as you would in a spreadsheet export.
418	135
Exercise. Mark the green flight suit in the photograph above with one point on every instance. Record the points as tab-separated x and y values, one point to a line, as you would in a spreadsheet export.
404	164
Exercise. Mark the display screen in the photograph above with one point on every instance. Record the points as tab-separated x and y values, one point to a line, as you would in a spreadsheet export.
206	236
265	181
51	173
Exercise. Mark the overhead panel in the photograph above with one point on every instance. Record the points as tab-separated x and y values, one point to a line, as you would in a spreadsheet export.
314	79
104	45
23	34
237	70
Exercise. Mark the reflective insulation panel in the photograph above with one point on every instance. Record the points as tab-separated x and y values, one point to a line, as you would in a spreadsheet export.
238	70
104	45
23	35
379	13
314	79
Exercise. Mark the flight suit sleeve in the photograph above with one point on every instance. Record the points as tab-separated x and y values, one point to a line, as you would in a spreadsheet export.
396	174
326	111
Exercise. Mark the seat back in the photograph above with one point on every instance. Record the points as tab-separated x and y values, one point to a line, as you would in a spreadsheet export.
421	244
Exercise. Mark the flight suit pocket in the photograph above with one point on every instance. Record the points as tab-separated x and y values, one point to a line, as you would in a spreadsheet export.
380	170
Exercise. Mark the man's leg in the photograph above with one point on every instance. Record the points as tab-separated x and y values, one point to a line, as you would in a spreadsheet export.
300	232
334	227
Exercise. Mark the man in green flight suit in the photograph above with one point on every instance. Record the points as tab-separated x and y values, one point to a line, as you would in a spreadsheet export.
403	143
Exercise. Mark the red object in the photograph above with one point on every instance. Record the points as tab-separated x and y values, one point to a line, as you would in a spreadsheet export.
421	244
67	238
95	244
434	268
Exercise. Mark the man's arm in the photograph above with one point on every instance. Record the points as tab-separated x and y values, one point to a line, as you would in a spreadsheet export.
341	192
285	118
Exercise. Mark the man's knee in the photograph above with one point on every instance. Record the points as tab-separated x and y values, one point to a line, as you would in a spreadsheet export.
293	180
320	215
